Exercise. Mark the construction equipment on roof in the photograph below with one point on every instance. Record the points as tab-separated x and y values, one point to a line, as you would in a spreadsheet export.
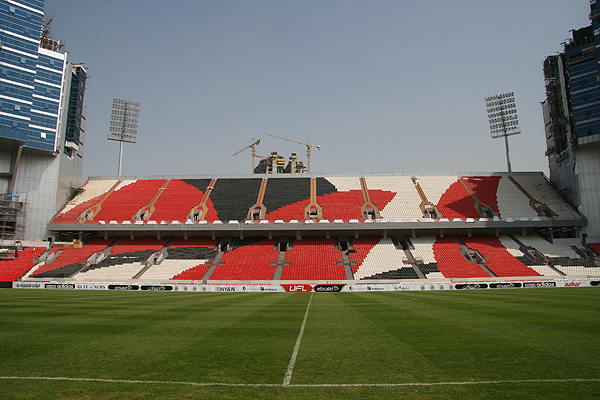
253	147
275	164
307	144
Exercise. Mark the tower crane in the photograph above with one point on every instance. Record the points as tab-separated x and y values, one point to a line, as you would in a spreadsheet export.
307	144
253	147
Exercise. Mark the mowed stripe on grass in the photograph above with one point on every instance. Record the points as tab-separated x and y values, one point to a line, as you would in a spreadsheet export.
537	337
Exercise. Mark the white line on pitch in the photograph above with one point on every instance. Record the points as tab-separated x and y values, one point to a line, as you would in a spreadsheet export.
45	378
290	369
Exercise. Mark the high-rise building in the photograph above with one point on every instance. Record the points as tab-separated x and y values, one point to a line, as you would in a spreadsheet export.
572	119
42	119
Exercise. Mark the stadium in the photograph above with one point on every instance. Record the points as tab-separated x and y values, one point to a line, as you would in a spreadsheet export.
286	283
281	232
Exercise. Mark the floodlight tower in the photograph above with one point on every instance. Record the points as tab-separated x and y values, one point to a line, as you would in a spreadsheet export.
502	113
123	123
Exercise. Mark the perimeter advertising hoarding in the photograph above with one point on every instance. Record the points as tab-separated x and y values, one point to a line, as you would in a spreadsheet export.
303	287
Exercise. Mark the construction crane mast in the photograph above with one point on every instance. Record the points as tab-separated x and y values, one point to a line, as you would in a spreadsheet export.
307	144
253	147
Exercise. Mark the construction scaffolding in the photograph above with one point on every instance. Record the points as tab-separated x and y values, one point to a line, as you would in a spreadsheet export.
12	217
558	104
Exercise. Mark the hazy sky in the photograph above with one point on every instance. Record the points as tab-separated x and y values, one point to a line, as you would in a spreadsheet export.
382	86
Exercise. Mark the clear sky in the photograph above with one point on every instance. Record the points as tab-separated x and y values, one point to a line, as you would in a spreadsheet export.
382	86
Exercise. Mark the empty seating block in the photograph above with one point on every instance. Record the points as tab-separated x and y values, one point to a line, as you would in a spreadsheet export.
342	205
434	186
183	263
128	257
248	262
313	259
347	202
176	201
345	184
538	187
232	198
382	257
406	201
423	254
561	256
124	202
340	198
485	187
70	259
500	261
451	263
285	199
456	202
93	191
538	266
13	269
512	203
547	248
362	248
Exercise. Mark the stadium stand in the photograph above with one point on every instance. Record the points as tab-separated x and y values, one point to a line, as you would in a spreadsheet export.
562	257
499	260
456	202
435	186
232	198
385	261
314	259
406	201
285	199
345	183
485	188
127	258
176	201
125	201
91	194
342	205
452	263
540	266
186	259
65	262
15	268
372	228
358	251
512	202
248	259
539	188
422	252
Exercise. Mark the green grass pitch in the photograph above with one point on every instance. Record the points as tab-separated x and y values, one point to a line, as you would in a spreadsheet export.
487	344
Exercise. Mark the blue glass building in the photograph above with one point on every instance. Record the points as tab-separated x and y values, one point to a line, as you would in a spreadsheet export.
42	116
31	76
572	120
